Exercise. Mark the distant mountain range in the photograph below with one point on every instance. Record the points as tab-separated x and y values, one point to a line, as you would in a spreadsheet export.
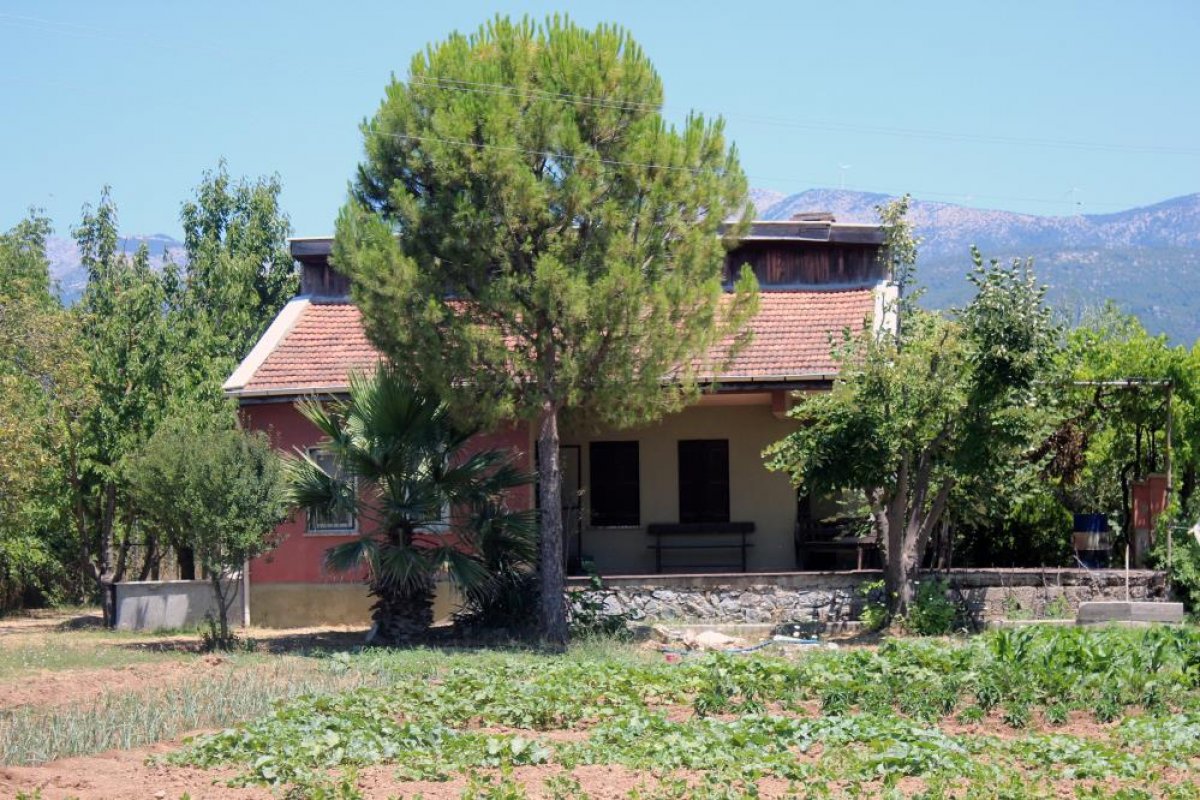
1147	259
70	275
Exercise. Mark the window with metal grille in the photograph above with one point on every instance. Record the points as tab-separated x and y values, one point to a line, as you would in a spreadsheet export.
337	522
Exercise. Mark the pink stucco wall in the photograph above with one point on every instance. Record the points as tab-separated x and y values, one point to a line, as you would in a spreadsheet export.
299	557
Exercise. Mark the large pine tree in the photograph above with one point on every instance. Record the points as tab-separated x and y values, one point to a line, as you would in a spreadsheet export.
527	235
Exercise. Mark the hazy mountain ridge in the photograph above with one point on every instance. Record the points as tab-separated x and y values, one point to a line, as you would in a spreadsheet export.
71	277
1147	258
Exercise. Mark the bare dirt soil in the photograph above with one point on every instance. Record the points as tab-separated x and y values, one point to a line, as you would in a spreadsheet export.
126	774
121	774
129	774
101	662
51	688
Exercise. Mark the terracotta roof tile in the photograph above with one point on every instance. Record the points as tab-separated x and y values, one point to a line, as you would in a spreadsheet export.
792	332
326	343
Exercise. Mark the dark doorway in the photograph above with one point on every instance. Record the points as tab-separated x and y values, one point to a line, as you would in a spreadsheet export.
570	477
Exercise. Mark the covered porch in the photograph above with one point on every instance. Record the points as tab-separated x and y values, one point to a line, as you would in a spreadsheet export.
690	494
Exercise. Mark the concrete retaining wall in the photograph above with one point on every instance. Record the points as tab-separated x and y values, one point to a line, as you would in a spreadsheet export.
836	596
155	605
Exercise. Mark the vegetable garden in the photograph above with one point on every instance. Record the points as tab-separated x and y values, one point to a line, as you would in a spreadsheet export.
1030	712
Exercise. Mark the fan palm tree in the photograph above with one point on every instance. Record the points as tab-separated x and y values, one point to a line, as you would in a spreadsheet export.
423	503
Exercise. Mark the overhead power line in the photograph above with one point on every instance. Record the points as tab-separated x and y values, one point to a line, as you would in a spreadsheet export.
939	135
776	179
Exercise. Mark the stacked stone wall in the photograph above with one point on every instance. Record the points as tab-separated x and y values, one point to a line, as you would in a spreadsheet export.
833	597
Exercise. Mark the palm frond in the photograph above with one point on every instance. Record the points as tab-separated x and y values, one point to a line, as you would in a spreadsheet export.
405	568
464	570
314	490
362	551
402	460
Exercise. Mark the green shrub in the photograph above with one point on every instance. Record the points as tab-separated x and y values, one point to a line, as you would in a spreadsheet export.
589	619
509	604
874	615
1184	568
931	613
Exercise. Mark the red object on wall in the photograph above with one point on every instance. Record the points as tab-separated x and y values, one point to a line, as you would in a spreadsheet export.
1149	500
300	556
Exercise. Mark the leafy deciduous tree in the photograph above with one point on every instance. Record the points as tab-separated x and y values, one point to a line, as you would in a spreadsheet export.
236	276
215	490
947	403
44	392
125	338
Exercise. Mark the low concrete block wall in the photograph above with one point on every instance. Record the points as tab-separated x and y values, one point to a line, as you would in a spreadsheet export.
155	605
836	596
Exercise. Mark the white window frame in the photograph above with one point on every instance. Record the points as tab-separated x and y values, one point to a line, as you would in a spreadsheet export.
312	528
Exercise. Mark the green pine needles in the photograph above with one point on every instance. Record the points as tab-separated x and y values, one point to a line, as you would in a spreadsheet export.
527	235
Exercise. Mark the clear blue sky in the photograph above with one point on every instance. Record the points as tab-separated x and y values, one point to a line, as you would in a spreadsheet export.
1045	107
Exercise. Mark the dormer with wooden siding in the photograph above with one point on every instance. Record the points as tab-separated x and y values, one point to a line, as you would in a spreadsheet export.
810	251
318	278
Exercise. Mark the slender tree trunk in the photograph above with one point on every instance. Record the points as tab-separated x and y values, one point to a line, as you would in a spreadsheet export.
552	610
895	571
222	610
906	534
150	559
106	571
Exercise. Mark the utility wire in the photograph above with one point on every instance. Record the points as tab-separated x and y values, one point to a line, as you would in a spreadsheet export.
695	170
506	89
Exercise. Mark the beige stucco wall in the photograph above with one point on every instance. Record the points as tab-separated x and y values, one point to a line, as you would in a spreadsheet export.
765	498
304	605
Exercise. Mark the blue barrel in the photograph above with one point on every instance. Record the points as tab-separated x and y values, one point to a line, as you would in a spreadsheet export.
1091	540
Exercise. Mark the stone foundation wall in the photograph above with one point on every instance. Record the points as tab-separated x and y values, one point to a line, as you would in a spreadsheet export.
837	596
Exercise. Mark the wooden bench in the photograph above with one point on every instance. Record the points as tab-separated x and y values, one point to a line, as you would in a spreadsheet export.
833	538
729	536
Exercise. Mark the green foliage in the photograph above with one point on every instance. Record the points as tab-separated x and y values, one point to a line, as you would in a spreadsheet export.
589	618
245	686
943	406
595	220
44	390
1024	524
1183	568
874	613
422	501
437	718
510	604
82	390
932	613
526	223
215	490
1119	433
237	275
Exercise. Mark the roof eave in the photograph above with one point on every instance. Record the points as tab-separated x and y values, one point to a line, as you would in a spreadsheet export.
279	328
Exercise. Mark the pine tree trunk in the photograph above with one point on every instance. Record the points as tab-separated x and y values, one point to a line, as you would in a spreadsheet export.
552	610
401	615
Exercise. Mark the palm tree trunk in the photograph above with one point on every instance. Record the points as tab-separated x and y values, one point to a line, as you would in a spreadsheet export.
401	614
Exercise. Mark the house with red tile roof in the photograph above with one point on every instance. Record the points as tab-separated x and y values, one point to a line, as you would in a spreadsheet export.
688	493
